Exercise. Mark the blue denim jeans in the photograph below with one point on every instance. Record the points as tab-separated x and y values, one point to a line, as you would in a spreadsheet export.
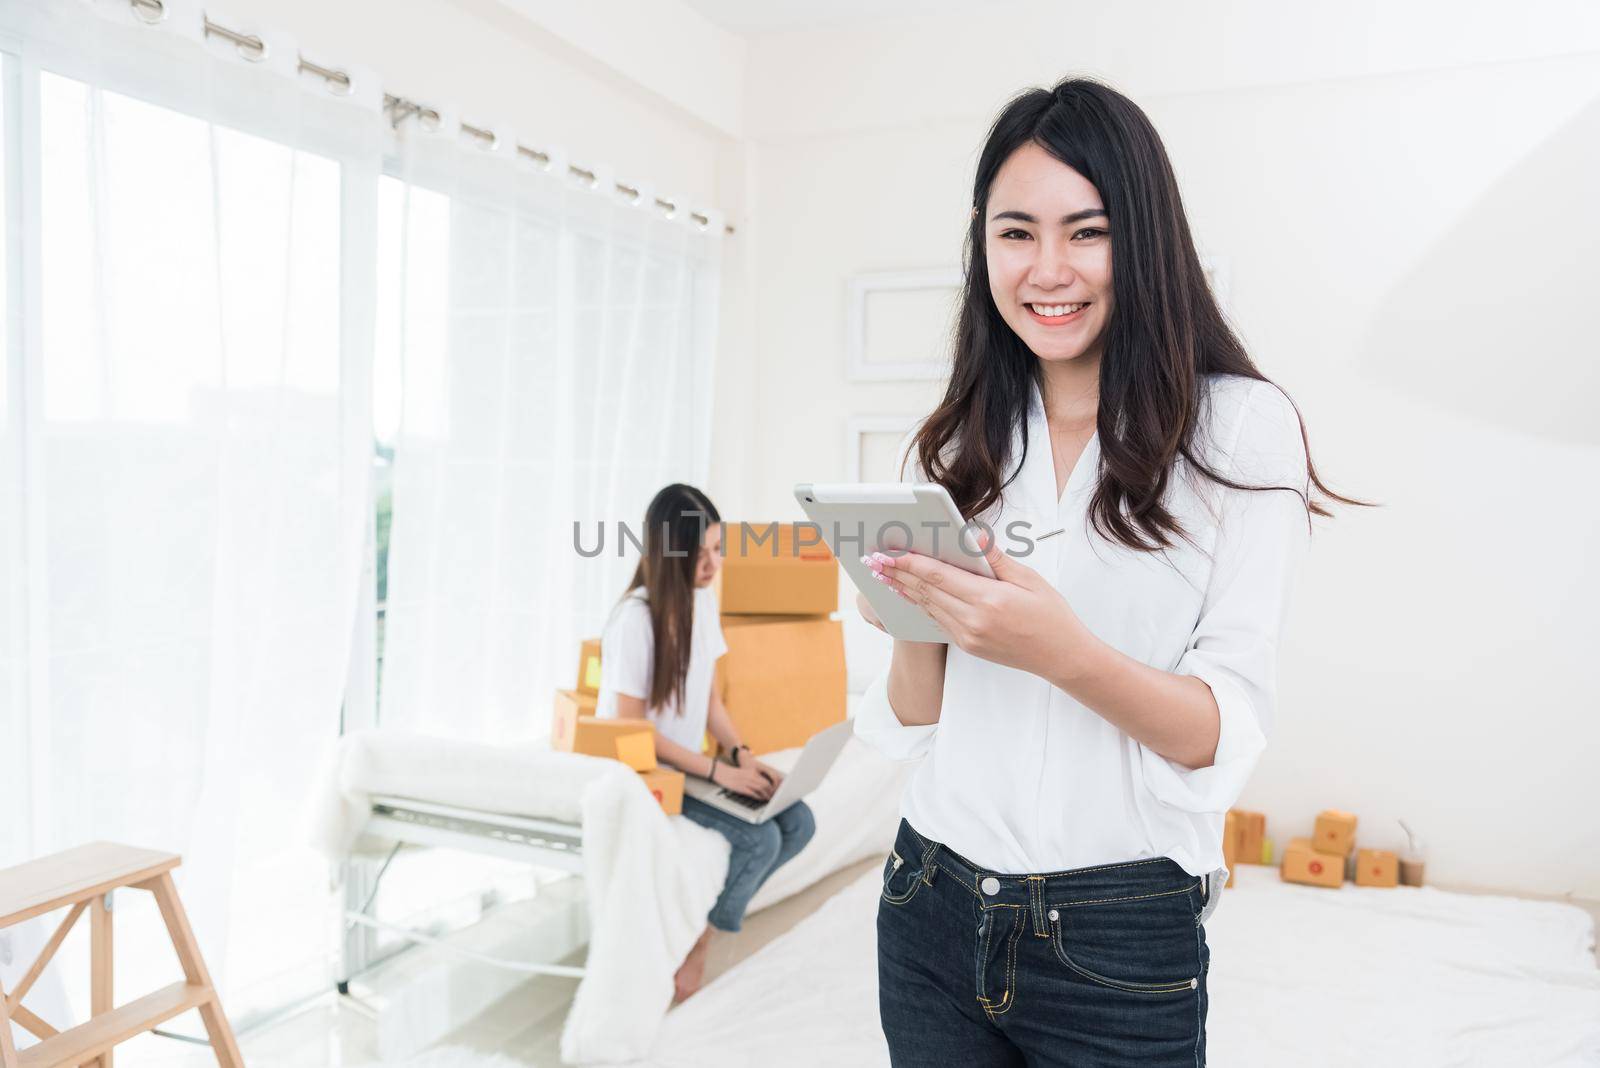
1094	967
759	849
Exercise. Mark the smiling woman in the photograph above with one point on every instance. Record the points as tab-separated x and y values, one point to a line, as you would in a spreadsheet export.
1102	701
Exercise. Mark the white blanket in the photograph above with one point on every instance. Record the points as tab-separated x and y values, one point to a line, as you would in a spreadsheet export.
651	879
1299	975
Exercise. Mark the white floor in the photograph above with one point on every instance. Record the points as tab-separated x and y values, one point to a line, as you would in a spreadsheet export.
523	1028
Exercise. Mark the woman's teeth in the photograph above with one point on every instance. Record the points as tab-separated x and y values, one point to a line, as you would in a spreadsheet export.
1054	310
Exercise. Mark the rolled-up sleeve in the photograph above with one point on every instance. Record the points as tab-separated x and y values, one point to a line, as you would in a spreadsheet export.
1262	540
878	726
875	722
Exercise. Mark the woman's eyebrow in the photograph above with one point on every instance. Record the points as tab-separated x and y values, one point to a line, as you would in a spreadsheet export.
1066	220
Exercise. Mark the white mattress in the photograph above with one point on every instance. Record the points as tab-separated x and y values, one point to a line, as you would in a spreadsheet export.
1299	975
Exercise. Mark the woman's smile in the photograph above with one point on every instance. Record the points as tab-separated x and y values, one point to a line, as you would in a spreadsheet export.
1057	314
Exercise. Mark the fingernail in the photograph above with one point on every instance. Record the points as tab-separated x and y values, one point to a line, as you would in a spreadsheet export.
881	577
884	559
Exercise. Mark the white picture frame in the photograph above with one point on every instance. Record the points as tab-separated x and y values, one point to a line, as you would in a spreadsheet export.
857	429
859	364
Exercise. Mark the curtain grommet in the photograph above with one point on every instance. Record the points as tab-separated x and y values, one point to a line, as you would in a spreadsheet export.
149	12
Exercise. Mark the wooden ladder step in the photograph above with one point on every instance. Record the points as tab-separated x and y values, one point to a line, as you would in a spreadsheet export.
53	882
78	1044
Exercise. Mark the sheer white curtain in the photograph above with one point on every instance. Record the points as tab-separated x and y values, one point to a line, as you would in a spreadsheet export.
186	464
553	346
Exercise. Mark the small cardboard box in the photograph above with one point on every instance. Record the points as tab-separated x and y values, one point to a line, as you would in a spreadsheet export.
1230	844
666	786
1335	832
589	667
1252	832
604	737
1377	867
637	750
1302	864
776	569
782	682
570	704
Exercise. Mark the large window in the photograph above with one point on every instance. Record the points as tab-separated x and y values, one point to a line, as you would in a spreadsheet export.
292	407
182	502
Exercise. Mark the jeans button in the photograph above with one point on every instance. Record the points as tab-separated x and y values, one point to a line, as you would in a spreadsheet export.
1054	915
991	886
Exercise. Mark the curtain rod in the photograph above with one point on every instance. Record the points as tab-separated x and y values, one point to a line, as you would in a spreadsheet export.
398	108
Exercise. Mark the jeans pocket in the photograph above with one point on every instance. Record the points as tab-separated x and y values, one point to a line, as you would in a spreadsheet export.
901	879
1147	946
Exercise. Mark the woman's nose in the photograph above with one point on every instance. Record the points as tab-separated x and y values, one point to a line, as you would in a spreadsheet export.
1052	267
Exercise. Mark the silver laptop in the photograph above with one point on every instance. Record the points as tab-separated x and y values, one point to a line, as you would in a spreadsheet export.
815	760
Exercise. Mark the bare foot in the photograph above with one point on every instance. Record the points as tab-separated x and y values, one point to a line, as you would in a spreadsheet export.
693	969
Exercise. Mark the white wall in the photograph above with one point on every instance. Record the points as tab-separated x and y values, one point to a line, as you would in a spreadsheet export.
1404	200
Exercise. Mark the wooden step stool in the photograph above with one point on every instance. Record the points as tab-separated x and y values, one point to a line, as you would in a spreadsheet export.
83	878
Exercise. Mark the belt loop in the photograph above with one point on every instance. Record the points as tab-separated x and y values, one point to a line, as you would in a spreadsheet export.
928	856
1036	902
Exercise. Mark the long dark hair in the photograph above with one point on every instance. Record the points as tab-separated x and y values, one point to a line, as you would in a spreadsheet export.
1164	336
674	527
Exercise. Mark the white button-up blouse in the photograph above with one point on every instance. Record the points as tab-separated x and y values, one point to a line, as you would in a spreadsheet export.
1019	777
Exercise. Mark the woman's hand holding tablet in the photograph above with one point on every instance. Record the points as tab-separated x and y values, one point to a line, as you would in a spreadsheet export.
859	519
928	576
1017	618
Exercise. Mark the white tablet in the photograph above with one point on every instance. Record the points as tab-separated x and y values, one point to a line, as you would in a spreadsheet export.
859	518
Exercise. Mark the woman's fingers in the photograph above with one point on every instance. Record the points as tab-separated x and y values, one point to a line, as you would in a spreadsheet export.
961	584
929	594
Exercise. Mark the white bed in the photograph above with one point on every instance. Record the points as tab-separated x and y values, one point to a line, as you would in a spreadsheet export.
1299	975
649	880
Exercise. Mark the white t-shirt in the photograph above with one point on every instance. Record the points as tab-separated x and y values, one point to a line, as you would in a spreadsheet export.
627	660
1021	778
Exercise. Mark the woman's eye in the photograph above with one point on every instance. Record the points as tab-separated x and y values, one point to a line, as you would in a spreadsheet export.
1092	232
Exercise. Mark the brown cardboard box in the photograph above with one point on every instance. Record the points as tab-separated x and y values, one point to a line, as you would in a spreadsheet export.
1230	844
666	786
570	704
599	737
1335	832
637	750
782	682
589	667
1252	831
776	569
1302	864
1377	867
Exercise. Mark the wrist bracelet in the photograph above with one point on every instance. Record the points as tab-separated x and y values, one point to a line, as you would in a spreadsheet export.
711	773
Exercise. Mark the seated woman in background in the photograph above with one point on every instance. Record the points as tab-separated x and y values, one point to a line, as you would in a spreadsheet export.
657	656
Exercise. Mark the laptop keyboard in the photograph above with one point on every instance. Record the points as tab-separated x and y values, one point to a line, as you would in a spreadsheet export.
755	804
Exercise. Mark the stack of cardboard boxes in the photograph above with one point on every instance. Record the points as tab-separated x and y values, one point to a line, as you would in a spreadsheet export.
1327	858
1330	856
575	729
783	678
